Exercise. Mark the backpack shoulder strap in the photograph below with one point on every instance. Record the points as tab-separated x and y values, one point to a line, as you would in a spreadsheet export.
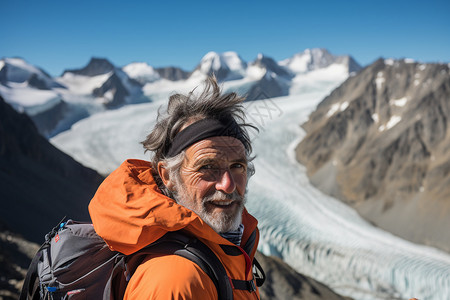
30	288
173	243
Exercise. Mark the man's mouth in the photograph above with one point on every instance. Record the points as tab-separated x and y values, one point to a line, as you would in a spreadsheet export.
222	203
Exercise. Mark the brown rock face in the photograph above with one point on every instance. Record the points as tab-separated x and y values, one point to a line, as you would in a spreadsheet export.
283	282
380	142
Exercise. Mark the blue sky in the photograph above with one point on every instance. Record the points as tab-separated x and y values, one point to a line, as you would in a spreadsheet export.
58	35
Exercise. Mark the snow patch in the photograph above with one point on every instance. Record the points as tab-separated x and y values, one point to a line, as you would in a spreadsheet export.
255	72
409	61
29	100
215	61
379	81
399	102
389	62
141	71
83	85
375	117
394	120
337	107
422	67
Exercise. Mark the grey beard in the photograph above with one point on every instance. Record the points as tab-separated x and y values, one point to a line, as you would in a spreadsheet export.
223	224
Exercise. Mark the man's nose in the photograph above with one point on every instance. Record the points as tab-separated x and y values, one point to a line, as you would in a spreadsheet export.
225	182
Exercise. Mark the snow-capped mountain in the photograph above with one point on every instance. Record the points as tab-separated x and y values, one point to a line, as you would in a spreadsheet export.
108	84
27	88
18	71
31	90
55	104
313	59
226	66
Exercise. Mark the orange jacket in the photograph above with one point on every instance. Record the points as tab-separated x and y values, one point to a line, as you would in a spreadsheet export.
129	212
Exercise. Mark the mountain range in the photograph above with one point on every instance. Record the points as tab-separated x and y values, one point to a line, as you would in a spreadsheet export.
377	137
381	143
55	104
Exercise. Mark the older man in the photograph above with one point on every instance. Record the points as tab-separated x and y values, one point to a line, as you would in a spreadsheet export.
196	184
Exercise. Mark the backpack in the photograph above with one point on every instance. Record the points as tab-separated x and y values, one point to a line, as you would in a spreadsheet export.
75	263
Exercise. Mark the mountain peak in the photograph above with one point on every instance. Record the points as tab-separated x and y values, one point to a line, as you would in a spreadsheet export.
269	64
96	66
20	71
227	65
317	58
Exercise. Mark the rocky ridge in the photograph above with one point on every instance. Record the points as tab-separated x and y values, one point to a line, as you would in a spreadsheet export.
380	142
39	184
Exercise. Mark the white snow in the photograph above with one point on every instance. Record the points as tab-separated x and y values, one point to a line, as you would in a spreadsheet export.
399	102
337	107
409	61
213	61
394	120
313	81
308	60
298	63
29	100
83	85
375	117
389	62
380	80
141	71
20	70
2	63
255	72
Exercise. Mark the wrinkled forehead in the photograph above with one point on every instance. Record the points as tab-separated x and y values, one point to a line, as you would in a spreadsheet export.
218	148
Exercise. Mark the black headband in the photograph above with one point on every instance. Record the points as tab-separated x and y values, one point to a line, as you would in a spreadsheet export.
201	130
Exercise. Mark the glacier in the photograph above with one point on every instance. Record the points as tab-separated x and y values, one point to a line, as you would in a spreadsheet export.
316	234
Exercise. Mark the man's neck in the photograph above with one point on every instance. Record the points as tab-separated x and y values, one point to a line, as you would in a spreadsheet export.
234	236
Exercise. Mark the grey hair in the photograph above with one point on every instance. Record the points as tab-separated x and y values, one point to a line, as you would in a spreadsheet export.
185	109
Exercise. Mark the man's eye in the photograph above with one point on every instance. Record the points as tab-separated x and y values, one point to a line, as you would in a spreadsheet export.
206	167
237	166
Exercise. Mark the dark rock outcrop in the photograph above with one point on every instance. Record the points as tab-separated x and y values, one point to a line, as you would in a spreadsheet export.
95	67
39	184
172	73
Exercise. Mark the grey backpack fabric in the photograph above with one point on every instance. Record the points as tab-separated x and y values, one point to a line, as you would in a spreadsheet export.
75	263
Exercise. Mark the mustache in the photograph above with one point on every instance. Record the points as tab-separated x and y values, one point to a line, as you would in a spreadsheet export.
221	196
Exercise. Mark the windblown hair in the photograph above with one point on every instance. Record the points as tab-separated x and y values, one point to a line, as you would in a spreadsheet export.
183	110
186	109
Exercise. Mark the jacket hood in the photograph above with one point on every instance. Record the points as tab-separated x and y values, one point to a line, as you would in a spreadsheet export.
129	211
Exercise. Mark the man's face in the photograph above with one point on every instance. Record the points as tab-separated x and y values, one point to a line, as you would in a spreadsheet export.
213	181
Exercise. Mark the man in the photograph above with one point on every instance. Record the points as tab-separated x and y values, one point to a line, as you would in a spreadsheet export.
196	184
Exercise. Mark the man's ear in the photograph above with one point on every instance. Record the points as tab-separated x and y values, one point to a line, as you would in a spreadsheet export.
164	174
